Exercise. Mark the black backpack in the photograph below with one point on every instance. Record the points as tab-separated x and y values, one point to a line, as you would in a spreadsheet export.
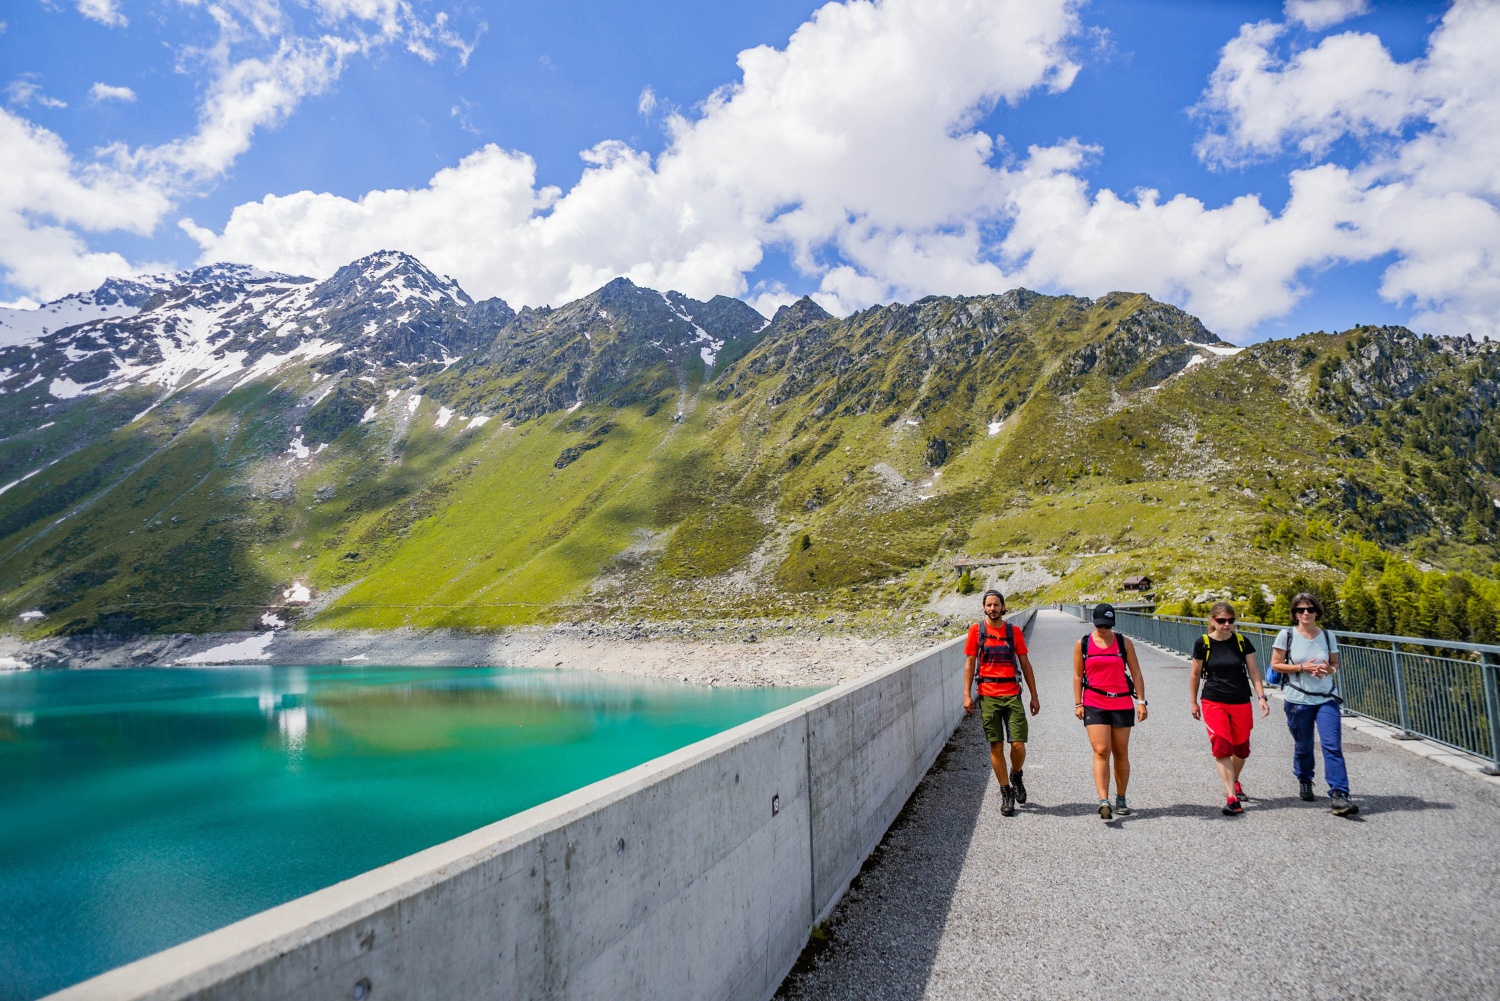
1083	644
1239	649
1009	641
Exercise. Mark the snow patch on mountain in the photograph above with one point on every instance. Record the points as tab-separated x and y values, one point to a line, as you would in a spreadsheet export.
23	479
709	350
1223	350
66	389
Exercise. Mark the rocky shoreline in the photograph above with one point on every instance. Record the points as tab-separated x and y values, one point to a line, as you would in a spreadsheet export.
740	653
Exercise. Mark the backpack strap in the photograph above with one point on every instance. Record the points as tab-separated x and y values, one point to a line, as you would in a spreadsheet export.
1129	680
1286	678
1238	647
1008	637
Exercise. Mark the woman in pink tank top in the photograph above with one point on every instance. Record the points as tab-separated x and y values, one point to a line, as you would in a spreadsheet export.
1110	696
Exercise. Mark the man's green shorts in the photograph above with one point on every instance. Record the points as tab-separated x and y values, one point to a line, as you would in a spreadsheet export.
1004	718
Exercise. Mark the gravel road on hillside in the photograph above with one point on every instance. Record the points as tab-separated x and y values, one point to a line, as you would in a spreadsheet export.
1176	901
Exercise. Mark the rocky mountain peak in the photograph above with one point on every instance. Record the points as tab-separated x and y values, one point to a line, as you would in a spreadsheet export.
244	274
387	279
800	314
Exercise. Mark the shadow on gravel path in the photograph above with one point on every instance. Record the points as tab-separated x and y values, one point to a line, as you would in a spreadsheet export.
904	888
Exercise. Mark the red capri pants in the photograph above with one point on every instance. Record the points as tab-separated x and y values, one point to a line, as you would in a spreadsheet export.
1228	726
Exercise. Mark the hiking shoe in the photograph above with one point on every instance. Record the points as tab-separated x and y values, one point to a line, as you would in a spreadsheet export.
1104	811
1341	805
1304	789
1019	787
1239	792
1007	801
1232	806
1122	809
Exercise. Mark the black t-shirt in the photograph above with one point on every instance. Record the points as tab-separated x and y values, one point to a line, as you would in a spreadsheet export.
1224	675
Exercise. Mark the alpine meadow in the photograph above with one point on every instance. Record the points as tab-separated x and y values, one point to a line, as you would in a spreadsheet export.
231	449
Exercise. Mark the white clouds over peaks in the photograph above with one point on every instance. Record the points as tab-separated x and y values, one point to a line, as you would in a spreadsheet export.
1347	85
1315	15
857	136
45	200
257	71
1428	185
855	150
247	94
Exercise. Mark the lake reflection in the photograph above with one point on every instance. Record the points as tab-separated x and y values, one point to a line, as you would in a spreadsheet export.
143	807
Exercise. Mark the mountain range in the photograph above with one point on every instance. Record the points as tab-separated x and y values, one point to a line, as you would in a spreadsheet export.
231	448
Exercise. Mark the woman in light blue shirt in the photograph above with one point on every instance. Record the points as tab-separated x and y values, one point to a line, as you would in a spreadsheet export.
1308	659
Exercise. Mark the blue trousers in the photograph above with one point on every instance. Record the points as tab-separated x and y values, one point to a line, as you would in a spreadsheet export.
1302	721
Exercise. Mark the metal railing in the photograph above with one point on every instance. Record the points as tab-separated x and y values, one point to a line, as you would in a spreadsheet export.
1408	682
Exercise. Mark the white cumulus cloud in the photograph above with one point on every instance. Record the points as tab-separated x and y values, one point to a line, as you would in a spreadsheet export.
855	150
1426	186
1316	15
852	148
24	90
257	71
1346	86
106	12
107	92
857	135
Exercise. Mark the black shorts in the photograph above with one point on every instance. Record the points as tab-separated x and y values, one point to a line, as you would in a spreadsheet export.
1112	718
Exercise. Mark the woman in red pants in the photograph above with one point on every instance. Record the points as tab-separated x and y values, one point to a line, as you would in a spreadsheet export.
1225	661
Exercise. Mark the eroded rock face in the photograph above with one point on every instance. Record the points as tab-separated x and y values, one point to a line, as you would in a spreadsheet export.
1149	345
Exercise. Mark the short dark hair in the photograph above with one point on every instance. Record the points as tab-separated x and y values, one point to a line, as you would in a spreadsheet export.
986	596
1306	598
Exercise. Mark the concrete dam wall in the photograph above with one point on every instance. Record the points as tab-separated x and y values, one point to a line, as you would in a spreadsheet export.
694	876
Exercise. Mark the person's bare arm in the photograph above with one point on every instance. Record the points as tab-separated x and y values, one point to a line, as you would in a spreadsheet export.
969	685
1140	679
1078	680
1194	676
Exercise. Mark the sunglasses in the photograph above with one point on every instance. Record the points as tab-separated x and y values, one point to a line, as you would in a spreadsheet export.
1224	622
1305	611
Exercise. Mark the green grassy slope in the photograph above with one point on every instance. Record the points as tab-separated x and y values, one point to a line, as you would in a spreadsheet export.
831	465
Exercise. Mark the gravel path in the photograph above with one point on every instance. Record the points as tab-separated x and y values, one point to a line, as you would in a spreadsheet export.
1176	901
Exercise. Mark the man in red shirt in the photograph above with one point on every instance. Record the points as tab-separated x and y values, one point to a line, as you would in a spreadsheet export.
997	657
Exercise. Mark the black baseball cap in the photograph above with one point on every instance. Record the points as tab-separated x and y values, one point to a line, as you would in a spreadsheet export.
1104	615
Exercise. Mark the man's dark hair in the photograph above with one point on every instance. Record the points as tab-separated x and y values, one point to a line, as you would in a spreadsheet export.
986	596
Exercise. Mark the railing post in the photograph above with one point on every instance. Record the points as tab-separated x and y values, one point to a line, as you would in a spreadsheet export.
1403	714
1489	669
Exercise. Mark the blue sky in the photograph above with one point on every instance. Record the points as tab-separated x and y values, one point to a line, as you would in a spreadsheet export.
1316	163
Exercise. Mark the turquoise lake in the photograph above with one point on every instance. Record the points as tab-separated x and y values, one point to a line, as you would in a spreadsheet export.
140	808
